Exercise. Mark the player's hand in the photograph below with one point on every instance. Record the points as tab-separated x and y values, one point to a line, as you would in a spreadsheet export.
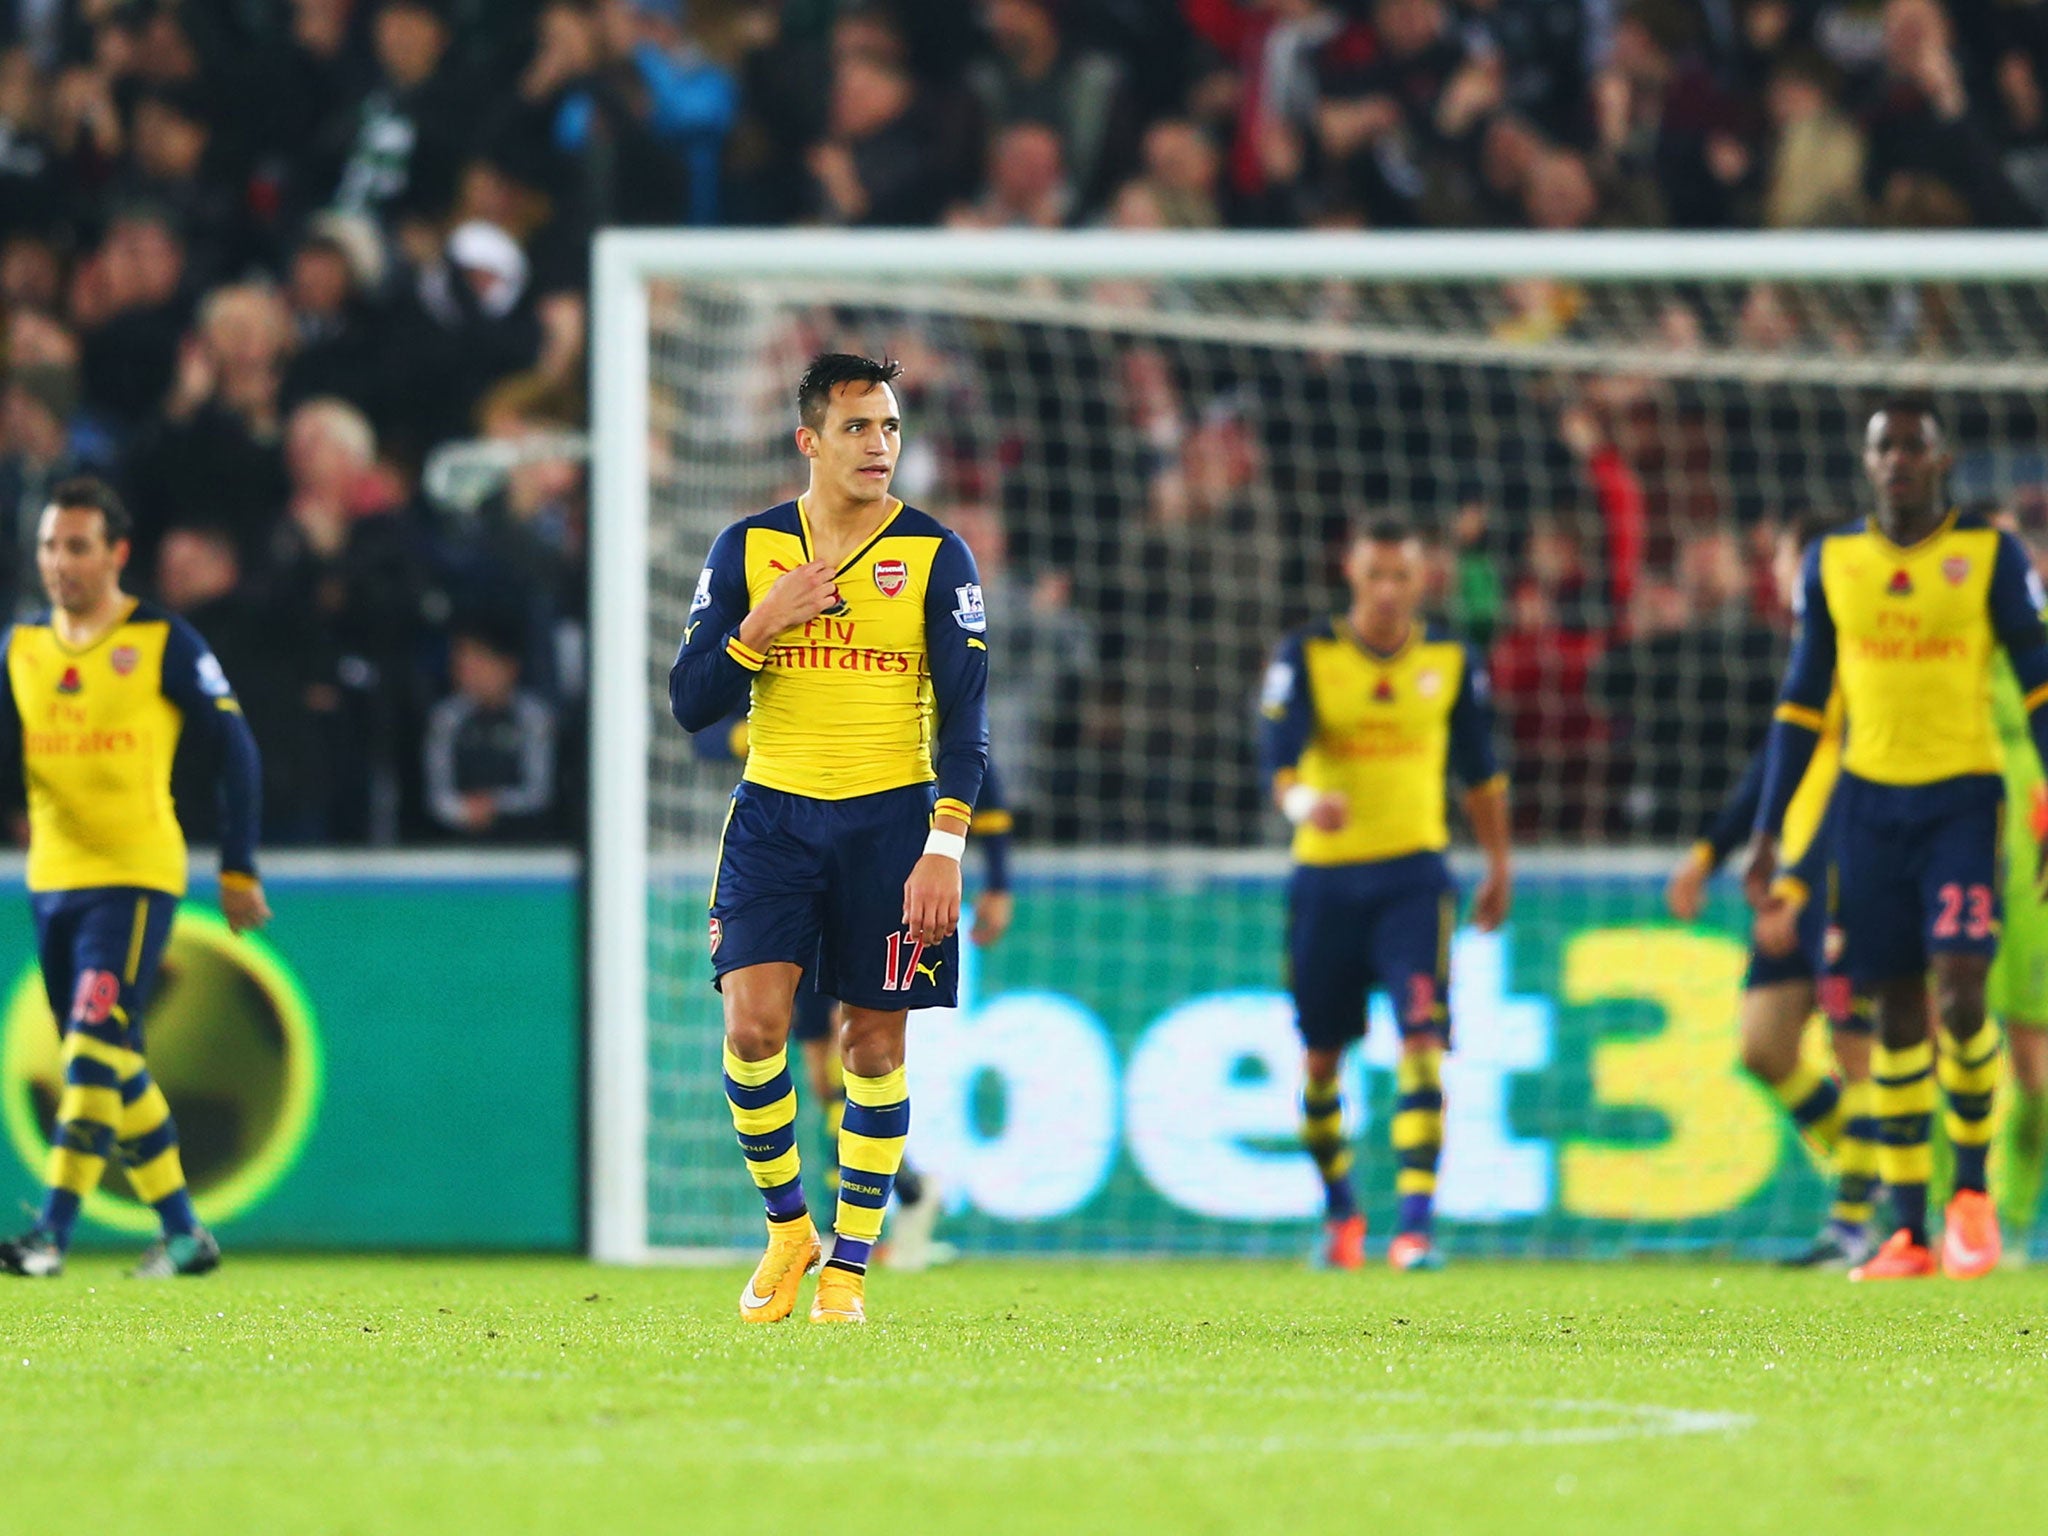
1330	814
931	899
1495	895
993	911
1760	870
244	907
1776	929
797	597
1685	893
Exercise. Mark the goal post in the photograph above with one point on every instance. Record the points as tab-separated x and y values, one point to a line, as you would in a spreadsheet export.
1164	432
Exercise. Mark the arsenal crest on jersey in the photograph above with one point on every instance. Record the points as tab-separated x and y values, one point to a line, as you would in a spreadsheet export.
717	935
891	577
124	659
1957	569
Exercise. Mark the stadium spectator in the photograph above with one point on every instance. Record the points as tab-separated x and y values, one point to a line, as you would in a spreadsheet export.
1037	76
490	745
1181	174
404	139
31	191
1929	149
1397	110
1693	692
216	453
37	403
339	345
171	169
1558	752
472	320
130	301
877	164
200	574
686	100
1668	137
1814	172
1027	185
1048	655
1542	47
345	558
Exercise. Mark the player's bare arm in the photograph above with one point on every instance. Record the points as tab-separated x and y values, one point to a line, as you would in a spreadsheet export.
1486	807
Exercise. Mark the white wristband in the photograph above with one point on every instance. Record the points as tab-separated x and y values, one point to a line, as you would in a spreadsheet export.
1299	801
947	845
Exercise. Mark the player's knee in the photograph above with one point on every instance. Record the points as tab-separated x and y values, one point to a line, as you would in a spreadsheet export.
871	1044
1765	1060
1959	1000
1322	1065
754	1032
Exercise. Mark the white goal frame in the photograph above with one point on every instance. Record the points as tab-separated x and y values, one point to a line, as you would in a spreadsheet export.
623	714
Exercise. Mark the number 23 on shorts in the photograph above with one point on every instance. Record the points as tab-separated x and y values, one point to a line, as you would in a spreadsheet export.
1966	912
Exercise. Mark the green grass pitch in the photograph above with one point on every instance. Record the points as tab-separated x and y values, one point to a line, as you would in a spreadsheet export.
346	1396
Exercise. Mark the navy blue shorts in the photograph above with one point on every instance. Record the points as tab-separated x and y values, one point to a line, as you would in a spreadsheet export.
813	1016
1354	928
819	883
1918	873
100	949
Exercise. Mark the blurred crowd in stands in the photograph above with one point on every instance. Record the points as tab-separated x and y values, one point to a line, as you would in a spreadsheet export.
260	259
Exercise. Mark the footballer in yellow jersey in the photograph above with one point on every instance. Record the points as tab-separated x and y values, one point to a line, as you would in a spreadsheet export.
1364	715
1905	612
852	626
98	692
1790	970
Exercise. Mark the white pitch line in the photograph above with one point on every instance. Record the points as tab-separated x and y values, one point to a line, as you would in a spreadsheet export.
1634	1421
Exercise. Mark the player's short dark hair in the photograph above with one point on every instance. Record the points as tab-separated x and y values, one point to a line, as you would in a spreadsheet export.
1912	403
1384	528
89	493
828	371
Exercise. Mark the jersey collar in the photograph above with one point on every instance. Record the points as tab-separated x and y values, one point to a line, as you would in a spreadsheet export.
1408	642
803	527
1947	523
97	640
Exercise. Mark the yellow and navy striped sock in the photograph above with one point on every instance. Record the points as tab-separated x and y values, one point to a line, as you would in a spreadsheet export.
1813	1099
149	1152
1855	1159
763	1099
88	1117
1322	1134
870	1152
1969	1076
1902	1088
1418	1130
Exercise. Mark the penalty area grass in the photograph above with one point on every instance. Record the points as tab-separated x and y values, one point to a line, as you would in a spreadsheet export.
388	1396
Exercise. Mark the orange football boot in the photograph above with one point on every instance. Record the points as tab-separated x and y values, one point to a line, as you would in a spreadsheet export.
1970	1244
1344	1243
1899	1259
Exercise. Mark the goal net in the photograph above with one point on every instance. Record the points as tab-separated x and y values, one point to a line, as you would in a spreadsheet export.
1154	446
